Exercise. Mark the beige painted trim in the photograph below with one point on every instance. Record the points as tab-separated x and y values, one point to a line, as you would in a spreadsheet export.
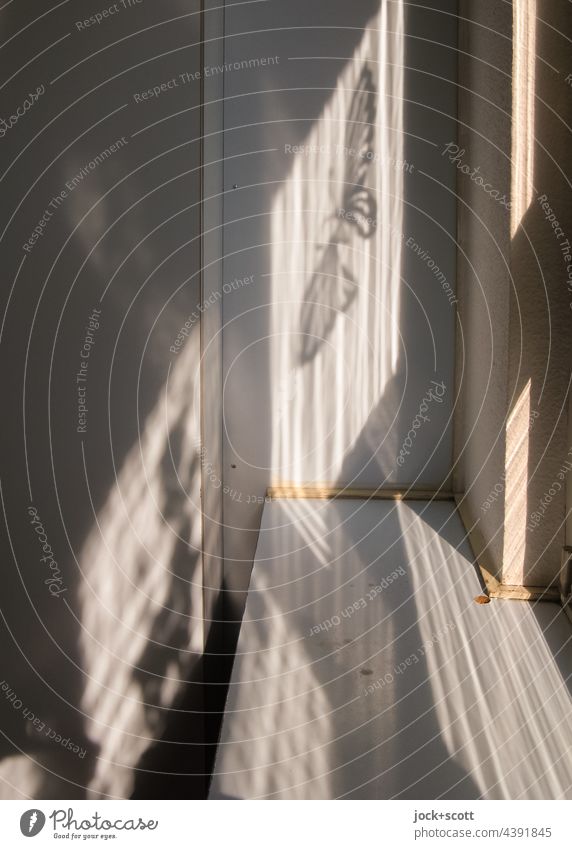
324	492
517	593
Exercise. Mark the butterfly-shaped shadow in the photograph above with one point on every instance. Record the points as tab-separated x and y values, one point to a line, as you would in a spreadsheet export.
332	287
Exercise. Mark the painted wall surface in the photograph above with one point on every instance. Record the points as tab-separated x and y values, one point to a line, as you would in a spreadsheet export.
211	316
340	232
569	480
99	450
541	300
485	101
515	353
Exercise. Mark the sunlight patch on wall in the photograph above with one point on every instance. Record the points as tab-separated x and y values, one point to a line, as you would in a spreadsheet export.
336	263
141	590
523	94
516	489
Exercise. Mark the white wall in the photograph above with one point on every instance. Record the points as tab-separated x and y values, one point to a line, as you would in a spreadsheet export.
211	319
330	350
105	661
